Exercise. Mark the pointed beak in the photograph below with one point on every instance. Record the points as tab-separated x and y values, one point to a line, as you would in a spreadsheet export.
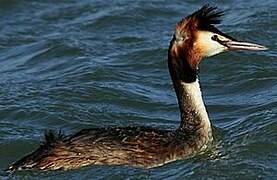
237	45
232	44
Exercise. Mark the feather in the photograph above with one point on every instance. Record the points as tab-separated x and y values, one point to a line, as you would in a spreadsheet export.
207	16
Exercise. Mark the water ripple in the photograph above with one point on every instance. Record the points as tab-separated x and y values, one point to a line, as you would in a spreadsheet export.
76	64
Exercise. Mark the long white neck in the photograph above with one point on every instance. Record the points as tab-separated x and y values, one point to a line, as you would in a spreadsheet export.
194	117
183	72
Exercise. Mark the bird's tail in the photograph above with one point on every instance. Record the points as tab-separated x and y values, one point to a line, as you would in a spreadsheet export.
32	160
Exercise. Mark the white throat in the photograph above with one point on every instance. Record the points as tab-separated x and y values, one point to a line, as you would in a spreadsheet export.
193	110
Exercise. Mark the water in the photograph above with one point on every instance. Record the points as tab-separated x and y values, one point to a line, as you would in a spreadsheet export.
77	64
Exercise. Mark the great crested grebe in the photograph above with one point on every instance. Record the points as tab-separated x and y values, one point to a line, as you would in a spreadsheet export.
195	37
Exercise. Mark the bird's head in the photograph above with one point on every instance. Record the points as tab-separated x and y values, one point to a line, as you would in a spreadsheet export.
196	37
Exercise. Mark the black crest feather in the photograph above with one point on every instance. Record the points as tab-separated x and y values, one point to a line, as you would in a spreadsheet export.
207	15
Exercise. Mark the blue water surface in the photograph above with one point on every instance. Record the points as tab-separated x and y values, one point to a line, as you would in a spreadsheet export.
73	64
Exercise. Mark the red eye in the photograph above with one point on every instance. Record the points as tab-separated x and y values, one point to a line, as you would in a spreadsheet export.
214	37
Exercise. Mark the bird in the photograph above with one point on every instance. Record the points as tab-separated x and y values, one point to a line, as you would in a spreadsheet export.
195	37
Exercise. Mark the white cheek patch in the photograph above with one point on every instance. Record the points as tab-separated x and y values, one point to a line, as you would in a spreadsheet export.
208	46
214	48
